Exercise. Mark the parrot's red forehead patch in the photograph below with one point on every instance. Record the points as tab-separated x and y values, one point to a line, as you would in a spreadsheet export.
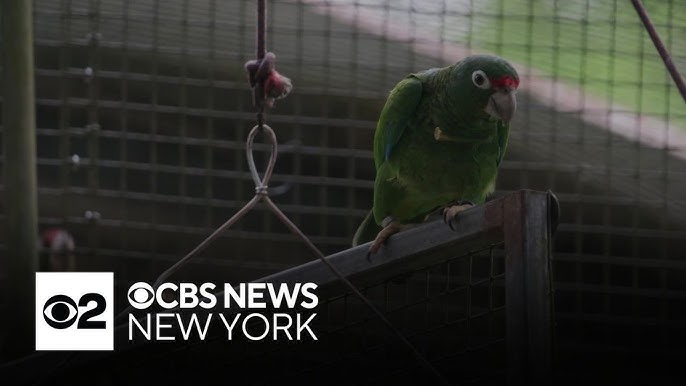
505	81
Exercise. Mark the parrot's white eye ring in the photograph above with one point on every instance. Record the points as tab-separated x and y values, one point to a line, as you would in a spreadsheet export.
480	80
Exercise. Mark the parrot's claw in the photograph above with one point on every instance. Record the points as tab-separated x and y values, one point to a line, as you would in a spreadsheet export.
382	237
449	212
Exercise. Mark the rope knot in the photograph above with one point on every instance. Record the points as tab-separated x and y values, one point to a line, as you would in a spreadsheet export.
262	190
261	73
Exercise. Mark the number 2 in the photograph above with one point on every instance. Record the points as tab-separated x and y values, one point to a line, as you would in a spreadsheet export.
99	308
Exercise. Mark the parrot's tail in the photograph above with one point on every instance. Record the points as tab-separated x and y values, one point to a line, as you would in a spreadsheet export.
367	231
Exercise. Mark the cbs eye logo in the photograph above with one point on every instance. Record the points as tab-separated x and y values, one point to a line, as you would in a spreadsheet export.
61	311
74	311
141	295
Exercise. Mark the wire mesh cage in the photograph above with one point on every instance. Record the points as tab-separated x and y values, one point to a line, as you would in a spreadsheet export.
143	108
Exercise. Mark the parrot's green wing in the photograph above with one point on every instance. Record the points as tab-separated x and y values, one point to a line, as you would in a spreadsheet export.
397	112
503	134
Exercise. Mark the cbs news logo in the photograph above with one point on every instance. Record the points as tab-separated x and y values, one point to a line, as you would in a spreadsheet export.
74	311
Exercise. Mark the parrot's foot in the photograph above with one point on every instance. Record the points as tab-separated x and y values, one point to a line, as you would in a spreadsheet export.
390	229
449	212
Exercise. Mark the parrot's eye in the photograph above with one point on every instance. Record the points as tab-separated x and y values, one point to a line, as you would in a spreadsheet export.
481	80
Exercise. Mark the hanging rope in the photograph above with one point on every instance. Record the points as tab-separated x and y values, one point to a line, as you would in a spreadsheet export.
664	54
268	86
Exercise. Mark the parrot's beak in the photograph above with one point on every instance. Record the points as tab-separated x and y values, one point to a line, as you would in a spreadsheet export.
502	104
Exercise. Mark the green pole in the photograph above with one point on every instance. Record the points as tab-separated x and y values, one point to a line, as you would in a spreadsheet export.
19	148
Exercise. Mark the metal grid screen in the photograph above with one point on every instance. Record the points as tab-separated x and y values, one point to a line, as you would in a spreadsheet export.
453	312
143	108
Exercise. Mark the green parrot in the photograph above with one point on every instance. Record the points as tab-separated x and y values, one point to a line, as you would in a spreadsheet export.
438	143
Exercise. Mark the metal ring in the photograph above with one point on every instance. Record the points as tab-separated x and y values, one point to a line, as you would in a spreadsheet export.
261	183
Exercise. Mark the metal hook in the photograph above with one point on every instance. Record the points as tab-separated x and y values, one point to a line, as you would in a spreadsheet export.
261	185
